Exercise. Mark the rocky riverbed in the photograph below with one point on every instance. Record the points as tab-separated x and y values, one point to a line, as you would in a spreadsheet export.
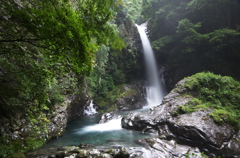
196	129
193	134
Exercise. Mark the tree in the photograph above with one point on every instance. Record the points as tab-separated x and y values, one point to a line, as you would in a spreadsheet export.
43	42
190	36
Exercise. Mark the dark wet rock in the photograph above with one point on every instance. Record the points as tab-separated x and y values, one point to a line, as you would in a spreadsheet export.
162	148
104	152
85	146
20	126
77	105
123	153
133	97
105	155
82	153
60	154
197	129
71	108
111	151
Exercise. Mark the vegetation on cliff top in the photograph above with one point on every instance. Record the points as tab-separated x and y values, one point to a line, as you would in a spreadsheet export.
191	36
47	48
210	91
114	68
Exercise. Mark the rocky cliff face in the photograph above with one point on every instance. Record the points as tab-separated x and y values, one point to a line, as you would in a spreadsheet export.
132	97
46	124
28	133
196	129
71	108
123	98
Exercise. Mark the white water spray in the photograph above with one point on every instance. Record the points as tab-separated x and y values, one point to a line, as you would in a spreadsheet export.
111	125
90	110
155	89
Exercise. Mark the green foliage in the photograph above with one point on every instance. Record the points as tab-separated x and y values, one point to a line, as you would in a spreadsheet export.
160	43
9	147
100	82
47	48
193	105
191	36
185	26
106	104
192	155
132	9
33	143
215	92
115	68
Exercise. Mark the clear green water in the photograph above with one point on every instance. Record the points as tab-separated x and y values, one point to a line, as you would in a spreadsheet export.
86	130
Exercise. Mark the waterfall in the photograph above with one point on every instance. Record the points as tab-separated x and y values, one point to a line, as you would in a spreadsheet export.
155	87
90	110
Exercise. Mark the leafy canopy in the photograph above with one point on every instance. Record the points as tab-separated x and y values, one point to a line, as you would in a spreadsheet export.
48	46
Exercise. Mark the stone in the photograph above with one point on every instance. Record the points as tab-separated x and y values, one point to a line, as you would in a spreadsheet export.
105	155
60	154
196	129
95	152
123	153
71	156
109	116
82	153
162	148
133	97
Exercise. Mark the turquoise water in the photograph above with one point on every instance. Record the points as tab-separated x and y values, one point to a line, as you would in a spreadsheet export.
86	130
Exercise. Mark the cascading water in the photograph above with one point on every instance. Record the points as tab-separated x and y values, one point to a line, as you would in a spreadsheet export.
155	87
90	110
111	125
86	129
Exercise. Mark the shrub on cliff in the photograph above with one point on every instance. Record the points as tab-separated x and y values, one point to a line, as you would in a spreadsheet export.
211	91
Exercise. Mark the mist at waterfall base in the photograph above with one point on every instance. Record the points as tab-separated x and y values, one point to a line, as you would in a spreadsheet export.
87	130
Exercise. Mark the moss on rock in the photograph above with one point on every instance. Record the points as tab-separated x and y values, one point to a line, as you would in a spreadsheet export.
211	91
121	96
18	155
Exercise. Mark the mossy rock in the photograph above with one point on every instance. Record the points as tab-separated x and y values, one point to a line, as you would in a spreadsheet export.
18	155
221	94
60	154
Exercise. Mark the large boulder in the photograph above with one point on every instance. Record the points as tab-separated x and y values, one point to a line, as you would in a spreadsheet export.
197	129
45	126
161	148
109	116
123	98
133	96
71	108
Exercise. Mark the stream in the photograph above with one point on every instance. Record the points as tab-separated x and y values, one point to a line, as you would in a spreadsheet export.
87	130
